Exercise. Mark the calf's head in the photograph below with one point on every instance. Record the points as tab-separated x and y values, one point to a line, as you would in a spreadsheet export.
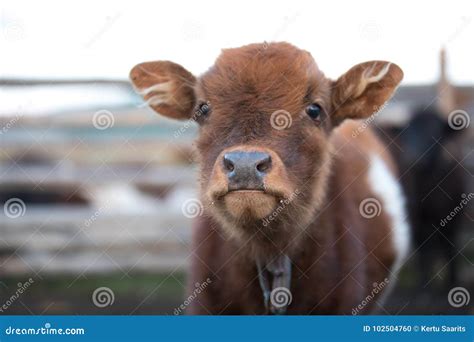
265	113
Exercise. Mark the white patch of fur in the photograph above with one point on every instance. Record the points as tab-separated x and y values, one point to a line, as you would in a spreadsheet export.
367	78
157	100
159	87
389	190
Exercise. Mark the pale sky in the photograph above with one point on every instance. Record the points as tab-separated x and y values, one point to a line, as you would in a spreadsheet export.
104	39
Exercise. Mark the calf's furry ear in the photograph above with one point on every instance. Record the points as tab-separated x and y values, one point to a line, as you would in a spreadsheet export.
363	90
167	87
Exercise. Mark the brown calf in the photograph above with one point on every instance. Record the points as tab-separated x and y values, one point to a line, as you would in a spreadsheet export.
301	215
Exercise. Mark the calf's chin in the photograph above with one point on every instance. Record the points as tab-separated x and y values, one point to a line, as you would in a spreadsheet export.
249	204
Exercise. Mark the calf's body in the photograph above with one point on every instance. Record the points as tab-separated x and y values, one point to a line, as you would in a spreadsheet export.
300	203
339	259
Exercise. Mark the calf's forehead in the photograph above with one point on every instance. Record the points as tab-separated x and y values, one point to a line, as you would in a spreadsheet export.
278	76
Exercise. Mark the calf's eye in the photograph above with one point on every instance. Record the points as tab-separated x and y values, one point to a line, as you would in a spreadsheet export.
314	111
203	109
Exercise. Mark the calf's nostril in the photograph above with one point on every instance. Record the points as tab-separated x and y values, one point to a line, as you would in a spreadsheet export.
265	164
228	164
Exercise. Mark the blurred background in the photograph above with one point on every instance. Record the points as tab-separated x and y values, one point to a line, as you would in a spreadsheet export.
95	188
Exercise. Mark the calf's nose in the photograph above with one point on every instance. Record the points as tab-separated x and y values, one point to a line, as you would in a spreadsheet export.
246	170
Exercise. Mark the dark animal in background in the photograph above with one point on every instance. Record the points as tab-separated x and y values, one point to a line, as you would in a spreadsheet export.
434	184
276	137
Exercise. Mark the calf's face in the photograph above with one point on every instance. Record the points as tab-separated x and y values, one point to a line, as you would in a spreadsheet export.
265	114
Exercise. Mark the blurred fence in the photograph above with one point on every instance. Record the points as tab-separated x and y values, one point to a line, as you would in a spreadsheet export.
94	198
